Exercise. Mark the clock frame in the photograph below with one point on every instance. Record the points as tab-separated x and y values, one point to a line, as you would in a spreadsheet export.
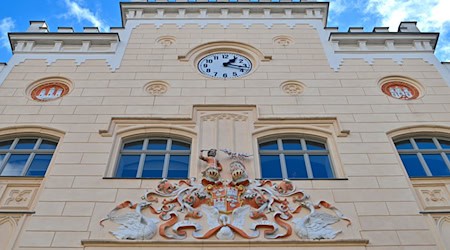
224	65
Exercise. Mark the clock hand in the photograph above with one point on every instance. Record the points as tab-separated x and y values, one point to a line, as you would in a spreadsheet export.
236	66
230	61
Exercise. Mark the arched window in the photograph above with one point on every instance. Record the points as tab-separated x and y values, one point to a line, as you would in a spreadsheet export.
294	158
26	156
154	157
425	156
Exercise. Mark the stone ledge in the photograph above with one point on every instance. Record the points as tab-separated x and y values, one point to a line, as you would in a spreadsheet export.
217	243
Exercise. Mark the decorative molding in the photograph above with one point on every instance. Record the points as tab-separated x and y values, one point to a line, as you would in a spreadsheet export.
166	41
433	196
49	89
403	88
156	87
224	116
283	40
18	197
293	88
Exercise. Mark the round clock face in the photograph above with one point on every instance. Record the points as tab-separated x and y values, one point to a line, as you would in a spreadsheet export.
225	65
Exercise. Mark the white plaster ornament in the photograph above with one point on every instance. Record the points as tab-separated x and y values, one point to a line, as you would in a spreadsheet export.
240	207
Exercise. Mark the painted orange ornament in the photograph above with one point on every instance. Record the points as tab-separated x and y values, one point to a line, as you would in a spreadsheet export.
49	91
400	90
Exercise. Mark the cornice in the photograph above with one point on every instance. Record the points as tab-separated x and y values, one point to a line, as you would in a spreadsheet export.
63	42
223	10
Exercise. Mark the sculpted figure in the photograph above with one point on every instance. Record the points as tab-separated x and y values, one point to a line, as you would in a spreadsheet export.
211	159
212	172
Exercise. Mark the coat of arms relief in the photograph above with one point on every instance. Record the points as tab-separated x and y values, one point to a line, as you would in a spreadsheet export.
225	208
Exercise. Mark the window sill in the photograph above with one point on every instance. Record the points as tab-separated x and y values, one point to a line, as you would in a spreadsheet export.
21	178
141	178
306	179
216	243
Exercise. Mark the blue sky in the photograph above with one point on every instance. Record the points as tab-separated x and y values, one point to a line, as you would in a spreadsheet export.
431	15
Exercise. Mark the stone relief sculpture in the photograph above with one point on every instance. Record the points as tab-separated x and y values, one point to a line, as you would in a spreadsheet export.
226	208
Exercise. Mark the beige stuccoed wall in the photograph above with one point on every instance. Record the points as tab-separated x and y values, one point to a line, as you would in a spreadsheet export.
378	196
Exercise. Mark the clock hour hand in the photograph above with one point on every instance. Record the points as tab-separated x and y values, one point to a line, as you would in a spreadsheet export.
230	61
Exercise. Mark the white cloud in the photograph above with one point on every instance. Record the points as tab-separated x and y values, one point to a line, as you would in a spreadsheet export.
337	6
75	10
431	16
6	25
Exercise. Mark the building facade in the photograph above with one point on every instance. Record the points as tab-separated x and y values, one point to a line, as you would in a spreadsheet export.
224	124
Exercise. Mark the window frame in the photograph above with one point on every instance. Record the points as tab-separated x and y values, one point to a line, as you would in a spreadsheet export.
30	152
143	153
281	153
419	153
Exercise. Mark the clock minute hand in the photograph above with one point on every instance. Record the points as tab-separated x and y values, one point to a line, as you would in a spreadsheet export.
236	66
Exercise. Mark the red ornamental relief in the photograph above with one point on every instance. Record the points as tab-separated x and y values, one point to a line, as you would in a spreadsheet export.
224	208
49	91
400	90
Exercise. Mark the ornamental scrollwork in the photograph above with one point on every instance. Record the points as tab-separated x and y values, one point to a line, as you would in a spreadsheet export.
225	208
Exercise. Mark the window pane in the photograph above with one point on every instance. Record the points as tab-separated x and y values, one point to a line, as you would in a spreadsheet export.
128	166
157	144
412	165
15	165
445	144
1	159
39	165
296	167
321	166
5	144
26	144
270	167
178	166
436	165
312	145
292	145
268	146
153	166
425	144
406	144
136	145
47	145
176	145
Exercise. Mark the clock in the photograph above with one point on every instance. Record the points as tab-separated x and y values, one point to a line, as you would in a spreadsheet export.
224	65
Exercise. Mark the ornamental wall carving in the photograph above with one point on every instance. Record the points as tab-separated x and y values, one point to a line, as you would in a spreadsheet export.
433	196
225	209
17	196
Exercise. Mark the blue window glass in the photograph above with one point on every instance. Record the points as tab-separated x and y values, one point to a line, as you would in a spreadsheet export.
271	167
312	145
192	1
287	158
268	146
39	165
26	144
406	144
15	165
137	145
436	164
176	145
28	156
445	144
153	166
128	166
295	165
178	166
5	144
157	145
425	144
413	165
162	158
47	145
321	166
1	159
292	145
